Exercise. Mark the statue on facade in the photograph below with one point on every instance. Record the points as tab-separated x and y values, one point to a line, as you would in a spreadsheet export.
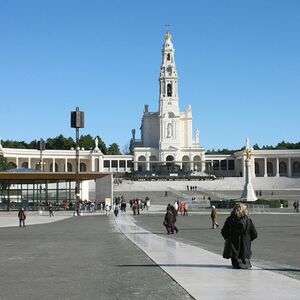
169	130
189	108
96	145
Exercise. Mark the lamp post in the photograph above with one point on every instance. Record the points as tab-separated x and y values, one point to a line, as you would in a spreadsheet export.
77	121
41	147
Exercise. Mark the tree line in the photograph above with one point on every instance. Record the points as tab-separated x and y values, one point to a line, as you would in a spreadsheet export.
280	146
62	143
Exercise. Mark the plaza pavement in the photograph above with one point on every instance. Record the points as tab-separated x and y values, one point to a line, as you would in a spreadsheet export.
79	257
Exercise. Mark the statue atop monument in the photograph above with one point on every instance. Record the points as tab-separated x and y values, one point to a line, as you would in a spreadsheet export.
248	149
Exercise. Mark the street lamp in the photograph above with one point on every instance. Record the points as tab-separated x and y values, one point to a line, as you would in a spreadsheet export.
77	121
41	147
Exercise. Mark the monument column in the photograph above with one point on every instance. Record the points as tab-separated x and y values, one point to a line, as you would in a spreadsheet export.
289	167
248	192
277	167
265	167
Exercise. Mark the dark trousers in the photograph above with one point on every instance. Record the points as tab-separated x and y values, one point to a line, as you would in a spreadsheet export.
174	227
21	222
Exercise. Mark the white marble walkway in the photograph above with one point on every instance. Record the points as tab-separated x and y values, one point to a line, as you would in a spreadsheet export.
205	275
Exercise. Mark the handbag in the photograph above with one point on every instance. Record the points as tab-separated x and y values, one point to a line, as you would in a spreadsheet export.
227	252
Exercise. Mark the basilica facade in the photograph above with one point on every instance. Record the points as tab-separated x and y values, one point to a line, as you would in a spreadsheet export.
167	134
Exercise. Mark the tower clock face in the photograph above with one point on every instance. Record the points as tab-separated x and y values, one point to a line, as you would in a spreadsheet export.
169	70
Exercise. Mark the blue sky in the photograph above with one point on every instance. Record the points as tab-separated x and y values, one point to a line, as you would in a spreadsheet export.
238	64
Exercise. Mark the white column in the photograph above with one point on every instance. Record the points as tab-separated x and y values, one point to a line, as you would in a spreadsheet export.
17	162
265	168
277	167
93	169
253	166
53	164
66	165
29	162
289	167
243	167
100	162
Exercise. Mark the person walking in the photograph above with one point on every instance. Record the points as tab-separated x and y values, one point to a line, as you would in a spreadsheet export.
213	216
107	209
22	217
296	206
116	211
185	209
51	210
168	220
238	232
174	212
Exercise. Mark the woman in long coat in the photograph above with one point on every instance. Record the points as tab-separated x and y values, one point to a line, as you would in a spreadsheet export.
238	232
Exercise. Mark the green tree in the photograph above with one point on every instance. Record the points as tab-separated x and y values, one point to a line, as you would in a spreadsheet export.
87	142
3	164
60	143
114	149
102	145
15	144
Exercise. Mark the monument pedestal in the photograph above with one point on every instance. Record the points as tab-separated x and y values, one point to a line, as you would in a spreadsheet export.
248	192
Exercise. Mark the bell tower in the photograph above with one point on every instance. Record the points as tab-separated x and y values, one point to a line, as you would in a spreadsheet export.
169	115
168	92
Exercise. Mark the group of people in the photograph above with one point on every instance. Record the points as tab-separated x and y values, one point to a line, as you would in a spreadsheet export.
191	188
170	219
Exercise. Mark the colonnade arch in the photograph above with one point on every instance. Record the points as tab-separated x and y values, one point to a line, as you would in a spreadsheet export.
153	166
141	163
186	166
197	163
296	168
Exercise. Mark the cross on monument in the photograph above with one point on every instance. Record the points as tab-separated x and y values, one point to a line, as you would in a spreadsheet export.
167	26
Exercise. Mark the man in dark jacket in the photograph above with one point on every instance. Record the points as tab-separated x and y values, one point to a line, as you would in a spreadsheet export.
168	221
238	232
22	217
174	212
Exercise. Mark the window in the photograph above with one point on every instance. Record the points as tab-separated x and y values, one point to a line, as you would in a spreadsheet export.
224	165
106	163
168	56
114	163
25	165
129	163
216	164
69	167
82	167
169	90
231	164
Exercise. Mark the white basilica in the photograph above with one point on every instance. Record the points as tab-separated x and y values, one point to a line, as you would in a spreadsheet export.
167	143
167	135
